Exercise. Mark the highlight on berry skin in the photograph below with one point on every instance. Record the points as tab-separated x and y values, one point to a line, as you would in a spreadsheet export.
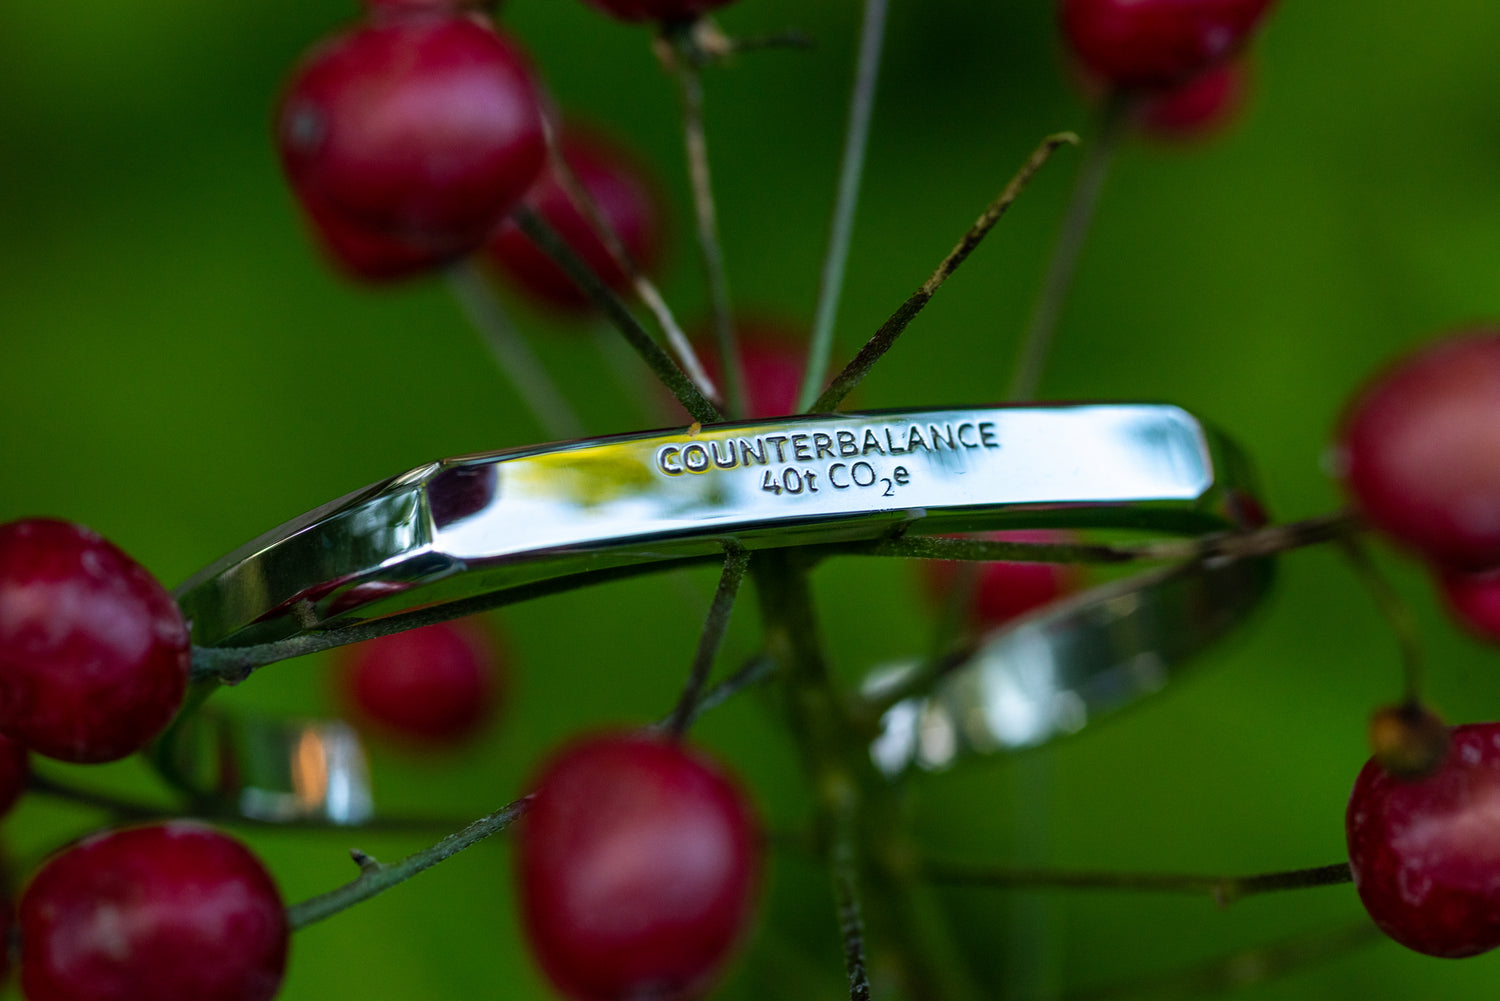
637	869
408	138
153	913
94	653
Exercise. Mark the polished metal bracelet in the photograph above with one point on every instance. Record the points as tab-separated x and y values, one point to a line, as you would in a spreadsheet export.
453	535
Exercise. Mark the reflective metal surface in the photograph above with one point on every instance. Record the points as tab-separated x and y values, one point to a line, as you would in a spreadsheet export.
1050	673
478	524
269	768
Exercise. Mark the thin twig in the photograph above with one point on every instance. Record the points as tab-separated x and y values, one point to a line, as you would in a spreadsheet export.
846	199
690	81
1394	609
1266	541
736	561
847	896
1058	279
749	674
889	331
376	878
661	363
644	288
1223	889
521	367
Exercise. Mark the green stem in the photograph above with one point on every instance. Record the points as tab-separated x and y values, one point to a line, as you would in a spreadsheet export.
876	347
1394	609
520	366
687	68
847	897
661	363
846	199
736	561
375	878
751	673
1058	279
1223	889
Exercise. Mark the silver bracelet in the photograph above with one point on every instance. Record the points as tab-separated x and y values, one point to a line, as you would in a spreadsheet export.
475	528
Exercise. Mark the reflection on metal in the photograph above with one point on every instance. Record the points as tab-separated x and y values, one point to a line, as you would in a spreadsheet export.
479	524
270	769
1050	673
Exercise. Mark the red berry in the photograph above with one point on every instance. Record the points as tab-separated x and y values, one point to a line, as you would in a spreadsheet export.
772	357
1420	452
1153	43
656	10
1424	853
1199	106
94	653
435	685
1006	590
624	198
175	910
14	770
410	135
1474	599
637	864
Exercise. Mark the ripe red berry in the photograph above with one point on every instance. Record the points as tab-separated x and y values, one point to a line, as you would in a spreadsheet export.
1420	453
94	653
175	910
1154	43
1197	107
625	199
1006	590
656	10
637	865
410	135
1473	599
435	685
1424	852
14	770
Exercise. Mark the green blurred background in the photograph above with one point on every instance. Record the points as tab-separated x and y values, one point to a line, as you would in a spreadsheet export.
181	372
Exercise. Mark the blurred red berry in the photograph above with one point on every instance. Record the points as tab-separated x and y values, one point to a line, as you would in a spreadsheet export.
638	864
410	138
625	199
1155	43
1474	600
1004	590
437	685
656	10
1423	851
171	911
94	653
1198	107
1419	451
773	359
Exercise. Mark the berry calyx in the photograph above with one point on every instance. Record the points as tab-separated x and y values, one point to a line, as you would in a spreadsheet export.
1419	455
626	201
1003	590
1156	43
1409	740
421	132
1474	600
637	864
656	10
176	910
94	653
433	686
1423	852
15	767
